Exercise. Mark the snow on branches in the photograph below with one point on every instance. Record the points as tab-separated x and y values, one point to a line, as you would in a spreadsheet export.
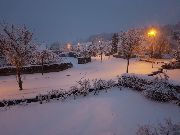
129	43
45	56
166	128
98	47
16	44
102	47
155	88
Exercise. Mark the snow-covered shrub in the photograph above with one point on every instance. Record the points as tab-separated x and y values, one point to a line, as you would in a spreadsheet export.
99	84
84	86
74	90
160	90
23	102
54	93
108	84
40	98
166	128
146	130
62	94
4	103
156	88
111	83
44	98
135	81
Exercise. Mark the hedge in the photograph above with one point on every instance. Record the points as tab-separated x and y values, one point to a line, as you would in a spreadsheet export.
36	69
83	90
151	87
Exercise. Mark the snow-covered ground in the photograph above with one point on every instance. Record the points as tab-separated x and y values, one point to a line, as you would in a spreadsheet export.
117	112
113	113
109	69
36	83
174	74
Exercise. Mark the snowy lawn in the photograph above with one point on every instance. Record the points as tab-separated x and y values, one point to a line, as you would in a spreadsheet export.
174	74
36	83
113	113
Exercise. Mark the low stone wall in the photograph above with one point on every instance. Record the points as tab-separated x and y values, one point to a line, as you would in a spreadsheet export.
36	69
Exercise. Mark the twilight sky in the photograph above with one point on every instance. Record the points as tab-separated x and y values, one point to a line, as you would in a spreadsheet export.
67	20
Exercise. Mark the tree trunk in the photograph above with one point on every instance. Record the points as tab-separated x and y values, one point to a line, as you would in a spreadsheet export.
101	57
19	79
42	65
127	70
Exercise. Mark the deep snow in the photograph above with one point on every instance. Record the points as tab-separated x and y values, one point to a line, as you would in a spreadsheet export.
113	113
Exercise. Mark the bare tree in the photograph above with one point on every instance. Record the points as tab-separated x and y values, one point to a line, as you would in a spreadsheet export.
15	43
161	46
129	41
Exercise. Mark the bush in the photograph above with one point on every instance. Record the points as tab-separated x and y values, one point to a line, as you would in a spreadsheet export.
82	88
160	91
166	128
155	88
137	82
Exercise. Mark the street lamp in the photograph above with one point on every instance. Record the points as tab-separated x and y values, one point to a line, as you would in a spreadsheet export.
152	34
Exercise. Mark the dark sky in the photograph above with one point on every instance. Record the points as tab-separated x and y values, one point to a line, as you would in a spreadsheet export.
67	20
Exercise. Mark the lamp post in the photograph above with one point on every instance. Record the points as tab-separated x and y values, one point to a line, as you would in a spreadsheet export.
152	33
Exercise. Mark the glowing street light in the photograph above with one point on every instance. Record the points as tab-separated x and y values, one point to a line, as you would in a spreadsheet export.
152	33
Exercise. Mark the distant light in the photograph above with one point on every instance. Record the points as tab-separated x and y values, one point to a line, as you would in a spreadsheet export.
69	46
